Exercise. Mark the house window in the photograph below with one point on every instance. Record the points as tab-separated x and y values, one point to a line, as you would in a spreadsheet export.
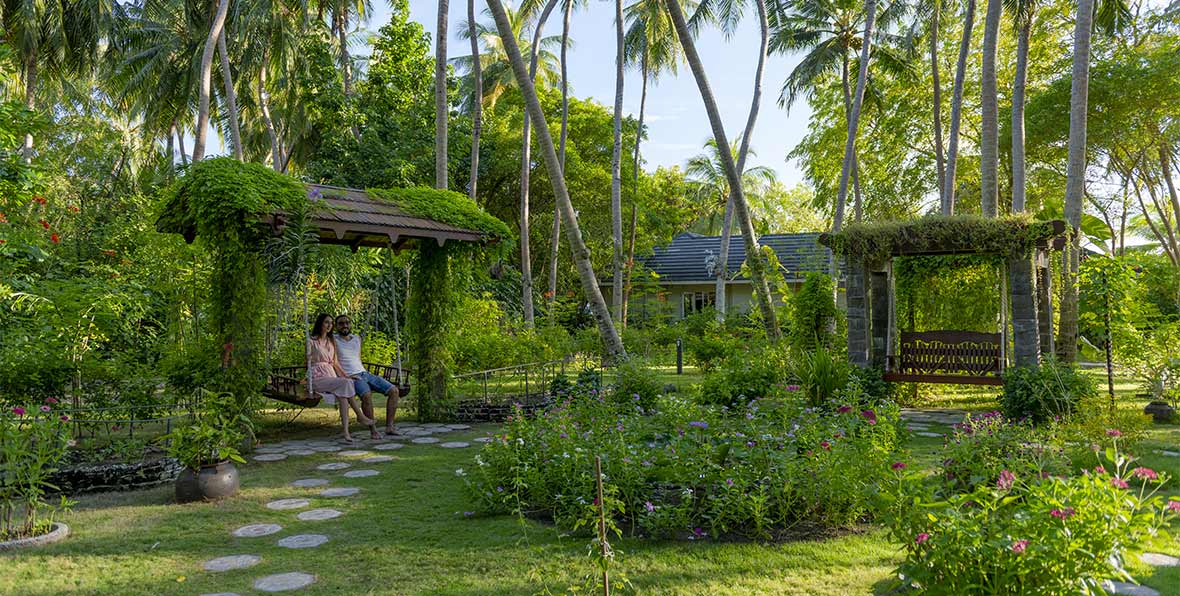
695	302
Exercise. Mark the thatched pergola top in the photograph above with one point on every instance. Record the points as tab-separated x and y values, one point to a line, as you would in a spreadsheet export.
937	235
354	218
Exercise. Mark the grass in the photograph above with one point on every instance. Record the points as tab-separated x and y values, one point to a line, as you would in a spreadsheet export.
406	534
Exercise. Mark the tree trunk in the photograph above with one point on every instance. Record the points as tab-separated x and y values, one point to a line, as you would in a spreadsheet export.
1166	173
231	98
952	155
847	115
616	181
581	255
989	138
206	82
555	236
180	146
1075	179
1018	87
341	25
30	102
440	97
630	262
276	150
754	257
854	121
476	102
939	157
723	260
171	165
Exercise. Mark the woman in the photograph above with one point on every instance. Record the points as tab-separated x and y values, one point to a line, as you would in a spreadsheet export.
329	380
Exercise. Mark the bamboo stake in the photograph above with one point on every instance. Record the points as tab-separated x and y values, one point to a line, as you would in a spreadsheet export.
602	526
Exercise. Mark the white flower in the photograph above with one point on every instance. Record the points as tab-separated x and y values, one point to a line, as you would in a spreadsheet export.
460	473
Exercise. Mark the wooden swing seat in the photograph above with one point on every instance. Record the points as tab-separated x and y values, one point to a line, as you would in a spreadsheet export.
288	384
949	357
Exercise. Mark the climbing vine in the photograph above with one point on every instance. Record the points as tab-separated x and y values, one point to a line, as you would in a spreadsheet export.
444	206
1012	235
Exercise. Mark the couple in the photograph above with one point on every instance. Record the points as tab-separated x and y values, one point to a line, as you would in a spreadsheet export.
338	373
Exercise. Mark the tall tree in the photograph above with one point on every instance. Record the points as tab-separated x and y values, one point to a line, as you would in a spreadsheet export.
1022	15
854	121
206	76
989	137
754	259
616	182
936	90
440	96
581	255
567	10
952	154
231	97
476	102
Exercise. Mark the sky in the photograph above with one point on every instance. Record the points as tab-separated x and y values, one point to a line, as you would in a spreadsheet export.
675	117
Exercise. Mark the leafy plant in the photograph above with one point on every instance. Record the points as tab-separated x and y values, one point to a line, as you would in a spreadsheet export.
636	385
214	435
745	375
814	314
32	444
820	375
1043	392
982	447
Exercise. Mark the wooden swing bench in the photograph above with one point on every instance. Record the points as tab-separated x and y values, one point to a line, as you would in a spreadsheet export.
288	384
950	357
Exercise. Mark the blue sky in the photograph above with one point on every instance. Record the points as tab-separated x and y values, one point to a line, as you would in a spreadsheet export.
677	125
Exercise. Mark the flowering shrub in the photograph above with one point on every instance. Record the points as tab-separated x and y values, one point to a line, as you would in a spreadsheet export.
32	443
745	375
979	448
1044	392
1025	534
690	471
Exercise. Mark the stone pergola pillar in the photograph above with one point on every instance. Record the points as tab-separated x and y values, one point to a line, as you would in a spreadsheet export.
1025	329
879	314
1044	286
858	313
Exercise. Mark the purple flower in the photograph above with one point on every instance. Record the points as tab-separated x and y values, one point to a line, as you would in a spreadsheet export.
46	408
897	465
19	411
1019	546
647	505
1174	506
870	416
920	538
697	534
793	387
64	418
844	409
699	424
729	482
1062	513
1007	479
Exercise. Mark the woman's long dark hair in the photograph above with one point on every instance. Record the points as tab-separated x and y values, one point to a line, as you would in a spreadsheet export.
317	330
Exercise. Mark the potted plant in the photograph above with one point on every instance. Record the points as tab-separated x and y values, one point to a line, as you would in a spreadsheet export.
32	443
207	448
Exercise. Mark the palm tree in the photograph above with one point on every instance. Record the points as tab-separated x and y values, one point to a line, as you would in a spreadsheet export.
939	156
854	122
581	254
52	39
1022	12
231	98
754	258
495	68
476	102
205	80
989	138
952	154
344	14
440	96
616	178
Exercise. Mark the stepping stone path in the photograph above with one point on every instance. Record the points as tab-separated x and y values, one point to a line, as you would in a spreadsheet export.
232	562
339	492
309	482
1159	560
302	452
1128	589
319	514
483	439
929	434
329	449
377	459
284	582
287	504
1167	453
425	440
257	530
336	465
388	446
303	541
270	457
454	445
360	473
353	453
458	426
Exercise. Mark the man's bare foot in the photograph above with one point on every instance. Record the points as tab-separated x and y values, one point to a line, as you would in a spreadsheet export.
373	434
392	432
348	439
363	421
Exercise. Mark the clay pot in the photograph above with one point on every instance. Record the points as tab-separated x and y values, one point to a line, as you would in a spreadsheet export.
1161	411
211	482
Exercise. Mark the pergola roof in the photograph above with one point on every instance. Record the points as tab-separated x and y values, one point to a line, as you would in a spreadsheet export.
353	218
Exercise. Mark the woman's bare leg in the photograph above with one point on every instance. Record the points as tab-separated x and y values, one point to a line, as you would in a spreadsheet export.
360	414
344	418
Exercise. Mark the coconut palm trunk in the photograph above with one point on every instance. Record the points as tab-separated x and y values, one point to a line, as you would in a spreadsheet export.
440	96
1018	90
231	98
1075	180
276	150
476	101
952	154
854	120
721	299
754	259
206	82
847	116
1022	279
939	156
30	102
989	138
630	262
616	182
612	342
555	236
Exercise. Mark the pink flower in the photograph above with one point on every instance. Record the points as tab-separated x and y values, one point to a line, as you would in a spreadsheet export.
1099	470
51	400
870	416
64	418
45	408
825	445
897	465
1118	482
923	537
1174	506
793	387
1145	473
1019	546
1062	513
19	411
1006	480
1114	432
844	409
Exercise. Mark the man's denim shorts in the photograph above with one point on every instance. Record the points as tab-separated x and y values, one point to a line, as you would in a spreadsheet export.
367	381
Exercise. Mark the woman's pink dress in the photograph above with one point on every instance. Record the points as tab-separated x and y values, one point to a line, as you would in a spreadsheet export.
322	353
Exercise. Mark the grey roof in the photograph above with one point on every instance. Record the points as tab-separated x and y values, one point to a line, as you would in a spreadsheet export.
684	260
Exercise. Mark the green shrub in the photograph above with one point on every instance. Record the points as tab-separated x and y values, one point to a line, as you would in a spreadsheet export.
751	374
214	435
871	380
636	385
1090	425
33	441
820	376
981	447
814	314
1044	392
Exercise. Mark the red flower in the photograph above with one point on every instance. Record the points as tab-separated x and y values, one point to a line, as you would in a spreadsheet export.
1114	432
923	537
1145	473
3	219
109	253
39	199
1019	546
53	238
869	416
74	209
844	409
44	224
1062	513
19	411
826	445
1174	506
897	465
51	400
1118	482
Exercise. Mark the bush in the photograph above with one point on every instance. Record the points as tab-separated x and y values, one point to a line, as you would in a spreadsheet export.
871	380
752	374
1044	392
33	442
1094	420
820	376
1026	534
636	385
980	448
814	313
213	436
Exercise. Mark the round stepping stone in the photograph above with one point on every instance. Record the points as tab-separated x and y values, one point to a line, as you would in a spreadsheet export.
354	453
232	562
377	459
221	594
329	448
360	473
458	426
286	504
1128	589
339	492
309	482
269	448
303	541
425	440
1159	560
455	444
256	530
433	425
302	452
388	446
270	457
319	514
928	434
482	439
1167	453
336	465
283	582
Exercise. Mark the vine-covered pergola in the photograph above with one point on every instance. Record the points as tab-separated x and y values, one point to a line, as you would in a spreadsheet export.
947	356
236	208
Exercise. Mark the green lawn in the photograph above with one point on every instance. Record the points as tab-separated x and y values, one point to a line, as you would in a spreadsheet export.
406	534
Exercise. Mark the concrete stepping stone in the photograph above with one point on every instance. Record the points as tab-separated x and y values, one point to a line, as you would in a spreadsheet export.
929	434
336	465
454	444
433	425
339	492
270	457
1128	589
232	562
287	504
378	459
283	582
318	514
309	482
1167	453
459	426
302	452
360	473
303	541
221	594
257	530
329	448
388	446
483	439
1160	560
354	453
425	440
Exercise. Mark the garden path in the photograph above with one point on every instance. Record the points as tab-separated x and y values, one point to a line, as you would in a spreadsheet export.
417	434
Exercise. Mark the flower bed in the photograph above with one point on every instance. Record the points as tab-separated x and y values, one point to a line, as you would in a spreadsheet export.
32	442
686	470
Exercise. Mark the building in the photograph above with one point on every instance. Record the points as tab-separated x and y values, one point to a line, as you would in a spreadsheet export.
683	274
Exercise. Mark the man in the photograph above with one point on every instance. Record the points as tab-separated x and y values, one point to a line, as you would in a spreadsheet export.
348	350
